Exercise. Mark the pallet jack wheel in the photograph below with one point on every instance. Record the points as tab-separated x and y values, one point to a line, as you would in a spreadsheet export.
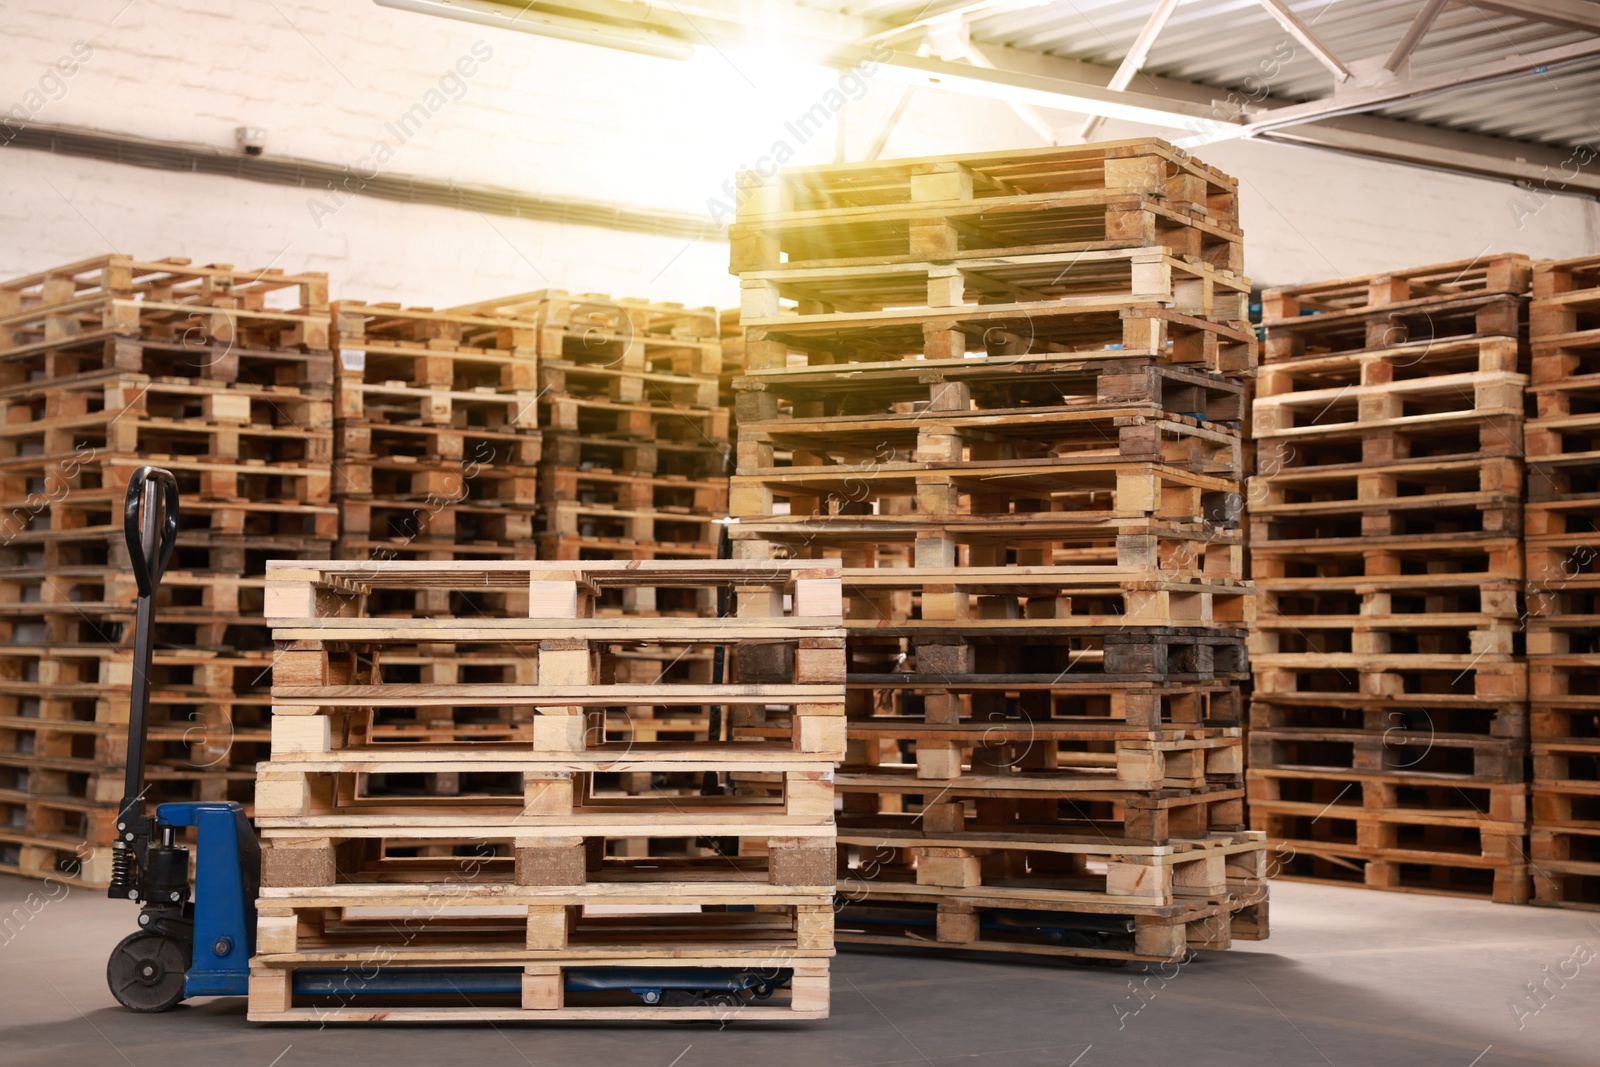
146	971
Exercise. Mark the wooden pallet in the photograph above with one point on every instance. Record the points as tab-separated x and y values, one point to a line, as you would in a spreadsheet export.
1044	871
968	436
1392	641
403	548
87	514
631	491
1103	936
162	301
621	420
912	600
1029	758
594	319
1081	487
1566	302
804	998
986	811
400	404
1394	362
1416	414
173	280
1054	699
1405	796
606	380
1412	327
1354	614
947	388
407	442
1090	542
693	460
198	552
1403	871
432	349
1147	656
1565	865
1115	195
1146	165
400	480
32	407
1406	719
61	859
649	526
1406	750
339	923
240	361
1395	487
1117	328
1498	679
431	522
1506	272
1003	290
1397	831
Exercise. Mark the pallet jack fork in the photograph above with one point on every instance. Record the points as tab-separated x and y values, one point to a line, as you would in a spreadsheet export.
198	940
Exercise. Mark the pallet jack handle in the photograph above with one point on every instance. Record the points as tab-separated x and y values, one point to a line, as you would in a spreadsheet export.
150	525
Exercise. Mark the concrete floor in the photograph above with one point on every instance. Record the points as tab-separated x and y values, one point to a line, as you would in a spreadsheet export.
1349	977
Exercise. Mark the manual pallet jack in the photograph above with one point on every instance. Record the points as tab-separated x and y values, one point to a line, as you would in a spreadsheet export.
197	940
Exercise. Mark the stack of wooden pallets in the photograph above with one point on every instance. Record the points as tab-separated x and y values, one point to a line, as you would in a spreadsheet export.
635	442
1010	387
436	455
635	462
437	444
220	375
504	879
1388	726
1563	581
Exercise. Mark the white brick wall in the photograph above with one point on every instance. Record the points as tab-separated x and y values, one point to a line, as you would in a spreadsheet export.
373	249
555	118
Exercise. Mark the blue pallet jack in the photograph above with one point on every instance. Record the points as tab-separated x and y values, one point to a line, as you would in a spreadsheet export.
197	940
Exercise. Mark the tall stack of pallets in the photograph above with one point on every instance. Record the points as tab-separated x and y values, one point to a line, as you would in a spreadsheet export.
437	444
1563	582
635	464
505	880
1388	724
635	442
1010	388
436	455
220	375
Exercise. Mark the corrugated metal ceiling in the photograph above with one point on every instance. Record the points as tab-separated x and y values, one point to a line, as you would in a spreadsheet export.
1237	45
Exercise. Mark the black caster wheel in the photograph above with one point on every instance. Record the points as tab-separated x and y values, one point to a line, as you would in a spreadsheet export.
146	971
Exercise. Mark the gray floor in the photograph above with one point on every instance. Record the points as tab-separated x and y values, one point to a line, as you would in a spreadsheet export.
1349	977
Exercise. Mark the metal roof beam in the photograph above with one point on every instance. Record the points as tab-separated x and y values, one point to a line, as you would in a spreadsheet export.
1543	171
1137	53
978	55
1358	100
1012	86
1547	169
1302	33
1413	35
1572	14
